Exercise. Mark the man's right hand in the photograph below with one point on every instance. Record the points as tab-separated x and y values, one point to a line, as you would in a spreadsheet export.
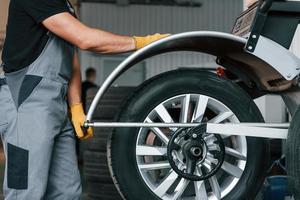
141	42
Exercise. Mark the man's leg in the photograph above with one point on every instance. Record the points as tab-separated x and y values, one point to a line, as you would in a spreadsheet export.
28	150
64	178
29	138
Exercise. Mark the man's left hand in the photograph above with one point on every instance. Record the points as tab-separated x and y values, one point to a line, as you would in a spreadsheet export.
78	119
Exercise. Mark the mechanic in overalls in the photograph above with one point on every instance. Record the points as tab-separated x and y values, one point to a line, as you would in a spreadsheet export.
41	73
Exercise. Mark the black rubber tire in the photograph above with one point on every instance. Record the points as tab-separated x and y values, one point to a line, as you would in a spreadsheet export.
102	197
122	143
102	189
96	171
293	155
110	103
97	176
97	144
99	141
95	157
95	167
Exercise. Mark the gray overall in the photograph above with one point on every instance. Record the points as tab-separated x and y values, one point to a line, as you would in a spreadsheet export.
37	135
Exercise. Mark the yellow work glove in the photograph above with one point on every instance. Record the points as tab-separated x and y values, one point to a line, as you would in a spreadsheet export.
78	119
141	42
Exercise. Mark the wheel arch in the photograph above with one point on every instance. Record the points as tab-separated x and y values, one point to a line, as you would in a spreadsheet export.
228	49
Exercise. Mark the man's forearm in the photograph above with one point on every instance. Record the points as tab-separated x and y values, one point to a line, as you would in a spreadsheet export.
74	91
104	42
70	29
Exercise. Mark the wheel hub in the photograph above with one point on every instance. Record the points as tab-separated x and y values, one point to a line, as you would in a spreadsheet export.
190	155
196	151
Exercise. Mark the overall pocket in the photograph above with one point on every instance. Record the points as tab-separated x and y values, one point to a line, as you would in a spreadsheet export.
17	167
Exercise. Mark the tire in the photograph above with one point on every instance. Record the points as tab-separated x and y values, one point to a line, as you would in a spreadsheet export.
94	192
96	168
293	155
96	171
98	144
122	144
95	157
102	197
99	141
100	189
110	103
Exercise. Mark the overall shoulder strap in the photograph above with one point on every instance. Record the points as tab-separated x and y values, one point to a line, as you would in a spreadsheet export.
71	8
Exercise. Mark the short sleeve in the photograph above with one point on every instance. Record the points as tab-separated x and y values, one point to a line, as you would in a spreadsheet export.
40	10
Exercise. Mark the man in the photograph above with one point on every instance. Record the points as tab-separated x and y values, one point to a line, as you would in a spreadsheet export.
41	69
89	83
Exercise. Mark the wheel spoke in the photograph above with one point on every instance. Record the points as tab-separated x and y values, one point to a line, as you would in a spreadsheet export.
225	136
166	184
210	139
213	147
232	169
221	117
190	166
200	190
200	108
211	159
150	151
201	193
215	187
185	105
235	153
207	165
155	166
163	114
158	132
182	185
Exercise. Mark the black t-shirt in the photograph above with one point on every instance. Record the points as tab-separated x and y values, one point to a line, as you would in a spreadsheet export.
26	36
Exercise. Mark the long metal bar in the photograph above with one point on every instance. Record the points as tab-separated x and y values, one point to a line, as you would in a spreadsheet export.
141	125
250	131
274	131
174	125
